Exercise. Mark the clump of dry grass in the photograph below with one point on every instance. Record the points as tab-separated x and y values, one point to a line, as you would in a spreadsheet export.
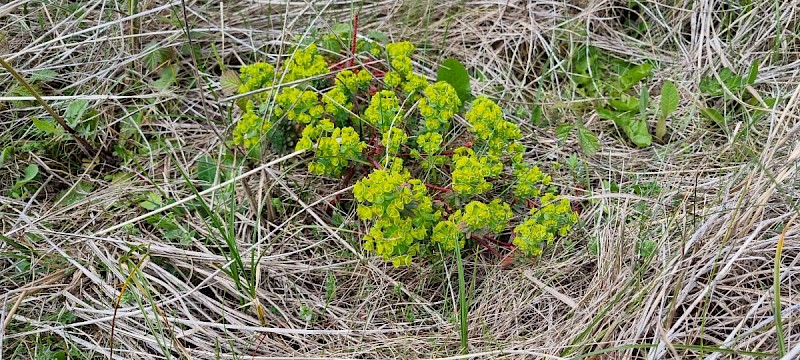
725	201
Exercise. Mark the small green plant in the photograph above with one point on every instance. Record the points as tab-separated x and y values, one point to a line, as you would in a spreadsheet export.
590	69
720	92
420	185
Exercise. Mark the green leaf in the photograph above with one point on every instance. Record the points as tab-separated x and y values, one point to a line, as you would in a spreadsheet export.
669	98
563	130
633	75
45	126
644	99
166	78
536	115
206	169
713	115
588	140
75	111
753	75
30	173
378	36
6	154
455	74
43	75
74	194
635	129
624	103
639	133
229	81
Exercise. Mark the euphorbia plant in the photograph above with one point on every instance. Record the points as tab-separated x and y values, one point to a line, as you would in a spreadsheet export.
422	184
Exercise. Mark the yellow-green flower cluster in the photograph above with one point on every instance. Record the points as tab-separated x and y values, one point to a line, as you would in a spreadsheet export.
393	139
470	172
354	82
298	105
439	106
305	63
402	74
383	110
430	143
478	216
554	218
499	135
335	147
337	103
256	76
402	210
449	235
250	128
400	56
529	182
531	237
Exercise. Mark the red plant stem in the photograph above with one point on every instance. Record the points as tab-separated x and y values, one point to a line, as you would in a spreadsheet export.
485	244
434	187
374	163
345	182
500	243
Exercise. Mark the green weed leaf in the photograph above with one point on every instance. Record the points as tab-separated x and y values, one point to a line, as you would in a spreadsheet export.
29	174
563	130
633	75
635	129
625	103
455	74
206	169
713	115
753	74
588	140
166	78
45	126
75	111
230	82
669	99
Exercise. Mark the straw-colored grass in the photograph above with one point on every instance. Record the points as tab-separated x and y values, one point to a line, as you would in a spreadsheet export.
708	290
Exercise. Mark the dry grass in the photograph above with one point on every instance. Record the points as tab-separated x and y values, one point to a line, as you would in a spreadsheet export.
724	203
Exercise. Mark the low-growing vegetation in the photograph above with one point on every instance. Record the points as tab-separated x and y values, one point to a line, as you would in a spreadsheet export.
398	180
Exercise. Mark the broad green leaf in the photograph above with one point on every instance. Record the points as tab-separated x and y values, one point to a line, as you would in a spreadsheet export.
632	76
624	103
74	194
635	129
44	126
342	29
455	74
75	111
713	115
206	169
154	58
669	98
151	202
166	78
563	130
43	75
639	133
230	82
378	36
669	102
588	140
30	173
